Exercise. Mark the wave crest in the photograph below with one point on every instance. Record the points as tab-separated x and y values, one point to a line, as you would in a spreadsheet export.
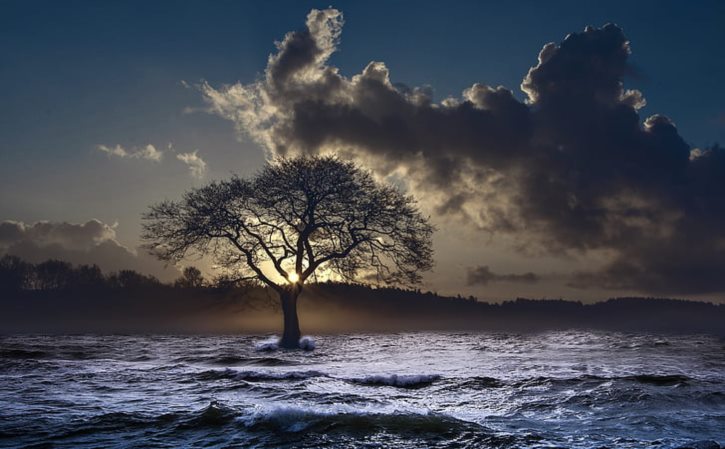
258	376
297	419
399	380
215	414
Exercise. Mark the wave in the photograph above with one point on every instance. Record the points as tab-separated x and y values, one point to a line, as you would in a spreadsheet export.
258	376
226	360
391	380
256	361
272	344
413	381
299	426
307	343
481	382
660	380
268	345
21	354
398	380
328	398
114	421
293	419
298	419
215	414
60	354
233	360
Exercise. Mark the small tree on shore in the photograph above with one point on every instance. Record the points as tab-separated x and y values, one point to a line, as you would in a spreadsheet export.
297	219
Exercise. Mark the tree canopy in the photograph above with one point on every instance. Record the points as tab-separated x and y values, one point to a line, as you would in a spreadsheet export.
297	217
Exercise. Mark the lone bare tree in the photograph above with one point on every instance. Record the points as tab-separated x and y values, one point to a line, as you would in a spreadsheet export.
297	219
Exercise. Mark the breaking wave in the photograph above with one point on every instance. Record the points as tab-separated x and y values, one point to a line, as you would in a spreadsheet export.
268	345
297	419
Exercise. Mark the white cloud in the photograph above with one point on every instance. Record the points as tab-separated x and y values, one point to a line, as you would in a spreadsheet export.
118	150
149	152
197	166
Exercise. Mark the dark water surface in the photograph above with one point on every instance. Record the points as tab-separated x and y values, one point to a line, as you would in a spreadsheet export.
556	389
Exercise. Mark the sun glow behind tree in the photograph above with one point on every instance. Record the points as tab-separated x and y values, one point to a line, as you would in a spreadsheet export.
302	217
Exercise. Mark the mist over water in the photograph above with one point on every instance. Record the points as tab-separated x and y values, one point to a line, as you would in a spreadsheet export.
555	389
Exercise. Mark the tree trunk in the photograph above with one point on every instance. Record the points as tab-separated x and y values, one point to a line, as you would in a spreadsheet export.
291	335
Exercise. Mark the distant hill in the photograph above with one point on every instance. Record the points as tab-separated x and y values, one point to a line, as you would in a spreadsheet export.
332	308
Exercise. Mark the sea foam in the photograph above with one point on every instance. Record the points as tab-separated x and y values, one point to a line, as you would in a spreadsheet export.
307	343
270	344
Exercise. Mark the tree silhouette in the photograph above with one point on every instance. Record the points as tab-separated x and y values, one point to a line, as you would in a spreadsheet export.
88	277
133	280
53	275
15	274
297	219
191	277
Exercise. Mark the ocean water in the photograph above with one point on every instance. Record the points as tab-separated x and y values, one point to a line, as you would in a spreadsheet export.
410	390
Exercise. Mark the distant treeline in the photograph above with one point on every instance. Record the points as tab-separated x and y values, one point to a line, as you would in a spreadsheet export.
18	275
55	296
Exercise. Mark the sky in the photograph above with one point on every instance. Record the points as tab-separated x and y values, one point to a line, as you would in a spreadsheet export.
562	189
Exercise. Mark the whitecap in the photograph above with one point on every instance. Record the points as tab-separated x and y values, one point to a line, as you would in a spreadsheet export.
290	418
398	380
307	343
256	376
270	344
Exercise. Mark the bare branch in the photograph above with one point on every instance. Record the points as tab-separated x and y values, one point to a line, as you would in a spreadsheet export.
308	212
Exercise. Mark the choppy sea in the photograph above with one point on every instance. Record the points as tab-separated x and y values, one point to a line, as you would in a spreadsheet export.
408	390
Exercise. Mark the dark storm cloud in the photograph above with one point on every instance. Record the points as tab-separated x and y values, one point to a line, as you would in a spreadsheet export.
92	242
573	169
482	275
